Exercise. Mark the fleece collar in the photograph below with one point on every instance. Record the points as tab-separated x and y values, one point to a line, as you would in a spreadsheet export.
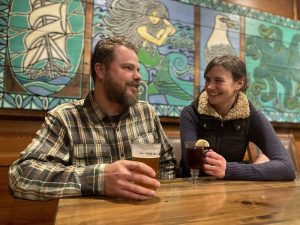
240	109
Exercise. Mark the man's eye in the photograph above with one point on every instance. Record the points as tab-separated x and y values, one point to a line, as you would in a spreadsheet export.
128	67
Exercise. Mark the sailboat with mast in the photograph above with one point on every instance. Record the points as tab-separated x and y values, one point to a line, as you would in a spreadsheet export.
46	55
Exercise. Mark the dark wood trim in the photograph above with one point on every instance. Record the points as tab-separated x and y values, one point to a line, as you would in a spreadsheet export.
242	37
290	126
165	119
276	7
22	113
298	8
295	9
196	50
87	48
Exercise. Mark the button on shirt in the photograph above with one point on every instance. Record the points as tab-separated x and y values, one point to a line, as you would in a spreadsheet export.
68	155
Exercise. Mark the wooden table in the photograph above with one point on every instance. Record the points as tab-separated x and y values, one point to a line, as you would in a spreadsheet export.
180	202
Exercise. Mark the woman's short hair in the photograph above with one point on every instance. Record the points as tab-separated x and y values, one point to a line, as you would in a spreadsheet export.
233	64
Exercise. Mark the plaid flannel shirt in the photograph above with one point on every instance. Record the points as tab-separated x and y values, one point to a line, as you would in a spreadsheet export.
68	155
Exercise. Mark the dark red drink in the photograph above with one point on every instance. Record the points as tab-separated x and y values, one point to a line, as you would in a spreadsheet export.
195	157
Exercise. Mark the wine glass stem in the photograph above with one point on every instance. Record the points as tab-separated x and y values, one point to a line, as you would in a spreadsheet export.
194	175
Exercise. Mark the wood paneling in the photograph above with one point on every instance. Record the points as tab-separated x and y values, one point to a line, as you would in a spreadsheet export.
278	7
23	212
15	134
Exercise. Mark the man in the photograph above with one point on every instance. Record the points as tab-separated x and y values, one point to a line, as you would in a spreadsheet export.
83	147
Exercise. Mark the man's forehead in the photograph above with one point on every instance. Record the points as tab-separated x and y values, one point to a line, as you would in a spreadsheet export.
121	48
124	54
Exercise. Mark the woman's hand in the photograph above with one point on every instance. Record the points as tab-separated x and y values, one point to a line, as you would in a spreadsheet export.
214	164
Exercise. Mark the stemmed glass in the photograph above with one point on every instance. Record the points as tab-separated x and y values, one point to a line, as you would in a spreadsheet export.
194	156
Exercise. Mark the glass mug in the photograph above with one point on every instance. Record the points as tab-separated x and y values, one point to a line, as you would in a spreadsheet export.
148	153
195	158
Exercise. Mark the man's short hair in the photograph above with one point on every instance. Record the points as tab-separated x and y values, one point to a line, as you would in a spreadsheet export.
104	51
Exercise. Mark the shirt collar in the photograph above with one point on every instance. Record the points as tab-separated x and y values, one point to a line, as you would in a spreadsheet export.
94	110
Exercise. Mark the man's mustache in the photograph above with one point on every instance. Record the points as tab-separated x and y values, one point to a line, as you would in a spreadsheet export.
133	84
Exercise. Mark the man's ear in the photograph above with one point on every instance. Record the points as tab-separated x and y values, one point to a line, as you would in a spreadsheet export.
99	69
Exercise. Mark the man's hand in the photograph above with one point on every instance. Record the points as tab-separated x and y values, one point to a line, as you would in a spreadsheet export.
214	164
124	179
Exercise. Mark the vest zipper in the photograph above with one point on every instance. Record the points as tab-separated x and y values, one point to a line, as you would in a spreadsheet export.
219	136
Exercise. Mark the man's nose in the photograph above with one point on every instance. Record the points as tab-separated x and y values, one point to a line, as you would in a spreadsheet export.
137	76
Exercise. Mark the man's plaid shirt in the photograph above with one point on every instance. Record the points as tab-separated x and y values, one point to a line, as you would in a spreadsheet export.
68	155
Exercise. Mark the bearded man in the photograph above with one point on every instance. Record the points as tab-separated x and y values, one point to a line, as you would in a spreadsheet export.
84	147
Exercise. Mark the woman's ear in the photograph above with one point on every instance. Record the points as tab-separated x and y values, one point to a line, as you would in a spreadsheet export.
240	84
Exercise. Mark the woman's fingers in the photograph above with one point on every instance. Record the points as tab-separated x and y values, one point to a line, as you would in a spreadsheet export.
214	164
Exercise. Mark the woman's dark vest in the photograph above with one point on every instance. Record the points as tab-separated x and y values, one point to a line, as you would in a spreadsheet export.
228	138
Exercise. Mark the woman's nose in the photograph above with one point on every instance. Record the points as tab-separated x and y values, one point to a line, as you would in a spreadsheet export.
208	85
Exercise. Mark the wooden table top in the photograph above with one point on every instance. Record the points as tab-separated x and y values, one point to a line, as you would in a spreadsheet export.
181	202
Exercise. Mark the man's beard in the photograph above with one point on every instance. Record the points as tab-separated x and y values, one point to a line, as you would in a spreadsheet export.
115	93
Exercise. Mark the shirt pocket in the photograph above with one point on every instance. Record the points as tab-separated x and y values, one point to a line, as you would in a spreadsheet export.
147	138
91	154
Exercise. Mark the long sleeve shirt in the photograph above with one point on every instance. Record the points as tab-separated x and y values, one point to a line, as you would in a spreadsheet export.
232	144
68	155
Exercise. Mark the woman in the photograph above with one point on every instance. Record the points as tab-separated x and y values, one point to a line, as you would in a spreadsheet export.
224	117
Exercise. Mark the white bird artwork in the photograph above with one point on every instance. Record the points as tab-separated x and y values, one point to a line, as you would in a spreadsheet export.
218	43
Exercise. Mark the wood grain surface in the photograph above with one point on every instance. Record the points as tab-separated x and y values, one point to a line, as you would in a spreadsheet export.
180	202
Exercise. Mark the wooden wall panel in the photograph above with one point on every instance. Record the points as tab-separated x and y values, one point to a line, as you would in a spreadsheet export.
15	134
286	8
23	212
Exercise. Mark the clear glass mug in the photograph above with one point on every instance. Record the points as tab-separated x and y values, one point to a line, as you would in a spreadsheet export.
148	153
195	159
